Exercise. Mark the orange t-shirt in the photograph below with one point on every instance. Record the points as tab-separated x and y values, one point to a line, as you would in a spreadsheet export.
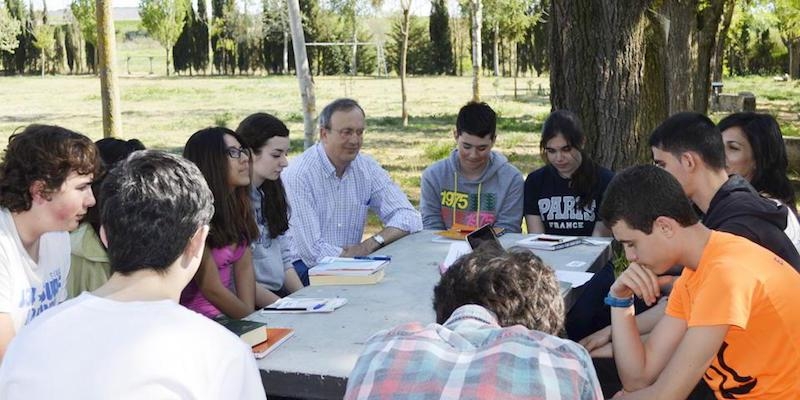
741	284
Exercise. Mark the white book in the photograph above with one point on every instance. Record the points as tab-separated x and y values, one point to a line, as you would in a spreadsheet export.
346	266
549	242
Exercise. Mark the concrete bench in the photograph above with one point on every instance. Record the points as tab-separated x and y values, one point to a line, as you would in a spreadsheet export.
726	102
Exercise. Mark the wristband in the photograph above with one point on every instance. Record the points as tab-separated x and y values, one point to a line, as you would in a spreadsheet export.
617	302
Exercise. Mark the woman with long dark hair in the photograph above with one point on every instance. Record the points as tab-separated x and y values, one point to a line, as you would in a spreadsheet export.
755	150
225	281
562	197
268	137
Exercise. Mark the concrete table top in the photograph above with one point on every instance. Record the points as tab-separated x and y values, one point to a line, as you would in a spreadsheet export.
315	362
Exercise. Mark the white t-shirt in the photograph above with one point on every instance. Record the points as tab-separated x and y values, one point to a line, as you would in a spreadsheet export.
27	288
95	348
792	227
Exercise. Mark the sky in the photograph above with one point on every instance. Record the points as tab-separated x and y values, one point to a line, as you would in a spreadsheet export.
418	7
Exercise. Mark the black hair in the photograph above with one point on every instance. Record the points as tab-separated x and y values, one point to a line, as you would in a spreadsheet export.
255	131
515	285
233	220
769	153
640	194
568	125
112	151
154	202
690	131
477	119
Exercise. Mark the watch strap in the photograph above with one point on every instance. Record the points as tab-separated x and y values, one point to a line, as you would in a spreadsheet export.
618	302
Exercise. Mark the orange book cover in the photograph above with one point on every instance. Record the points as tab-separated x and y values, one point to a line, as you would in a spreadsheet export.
275	337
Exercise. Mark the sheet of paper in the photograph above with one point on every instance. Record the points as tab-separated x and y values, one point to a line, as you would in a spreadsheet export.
305	305
574	278
457	249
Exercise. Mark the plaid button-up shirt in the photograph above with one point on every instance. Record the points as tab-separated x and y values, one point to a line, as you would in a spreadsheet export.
472	357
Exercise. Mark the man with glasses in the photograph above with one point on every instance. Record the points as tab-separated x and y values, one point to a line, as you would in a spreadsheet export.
331	187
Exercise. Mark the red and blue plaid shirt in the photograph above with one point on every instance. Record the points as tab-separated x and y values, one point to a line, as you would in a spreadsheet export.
472	357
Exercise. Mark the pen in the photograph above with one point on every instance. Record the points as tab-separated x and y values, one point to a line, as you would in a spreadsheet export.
374	258
315	307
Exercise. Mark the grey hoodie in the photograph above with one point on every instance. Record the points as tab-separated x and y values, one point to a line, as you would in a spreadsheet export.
501	189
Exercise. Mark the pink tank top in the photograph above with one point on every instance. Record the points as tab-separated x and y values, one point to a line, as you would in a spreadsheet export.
193	299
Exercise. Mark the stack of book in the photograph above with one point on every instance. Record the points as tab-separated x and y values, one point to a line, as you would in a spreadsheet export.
261	339
348	271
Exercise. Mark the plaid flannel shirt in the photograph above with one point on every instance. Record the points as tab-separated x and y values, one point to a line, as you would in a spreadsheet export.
471	357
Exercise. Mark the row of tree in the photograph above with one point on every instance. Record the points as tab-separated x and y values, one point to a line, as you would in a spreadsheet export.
761	37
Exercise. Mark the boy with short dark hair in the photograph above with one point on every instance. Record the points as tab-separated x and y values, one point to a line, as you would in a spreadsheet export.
475	185
130	337
45	190
731	318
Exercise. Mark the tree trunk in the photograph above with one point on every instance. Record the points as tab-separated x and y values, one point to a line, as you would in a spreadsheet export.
708	25
794	58
677	20
719	48
476	8
303	72
354	59
285	52
106	50
597	60
496	48
167	62
43	63
403	64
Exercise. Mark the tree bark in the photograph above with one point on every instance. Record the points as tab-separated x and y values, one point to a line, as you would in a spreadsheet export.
404	60
303	72
677	19
285	52
476	8
106	50
794	58
707	28
167	58
597	63
719	48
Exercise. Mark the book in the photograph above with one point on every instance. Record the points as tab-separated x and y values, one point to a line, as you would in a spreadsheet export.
251	332
300	305
346	279
549	242
275	337
347	271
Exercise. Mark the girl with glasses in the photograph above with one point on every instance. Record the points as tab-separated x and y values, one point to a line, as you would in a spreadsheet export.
225	281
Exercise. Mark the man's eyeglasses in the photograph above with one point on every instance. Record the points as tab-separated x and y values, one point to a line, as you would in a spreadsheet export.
237	152
347	132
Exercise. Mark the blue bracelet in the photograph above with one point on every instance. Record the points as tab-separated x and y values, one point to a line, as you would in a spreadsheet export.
617	302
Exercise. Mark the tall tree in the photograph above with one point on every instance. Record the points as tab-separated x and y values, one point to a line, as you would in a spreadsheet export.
275	22
439	30
475	8
710	14
10	27
303	72
596	61
85	13
109	88
201	50
45	41
788	15
719	47
405	6
182	51
164	20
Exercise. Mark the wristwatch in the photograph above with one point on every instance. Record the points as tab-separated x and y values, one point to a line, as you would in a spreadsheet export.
618	302
381	241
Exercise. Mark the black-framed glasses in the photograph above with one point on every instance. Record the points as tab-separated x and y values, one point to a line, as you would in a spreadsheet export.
237	152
